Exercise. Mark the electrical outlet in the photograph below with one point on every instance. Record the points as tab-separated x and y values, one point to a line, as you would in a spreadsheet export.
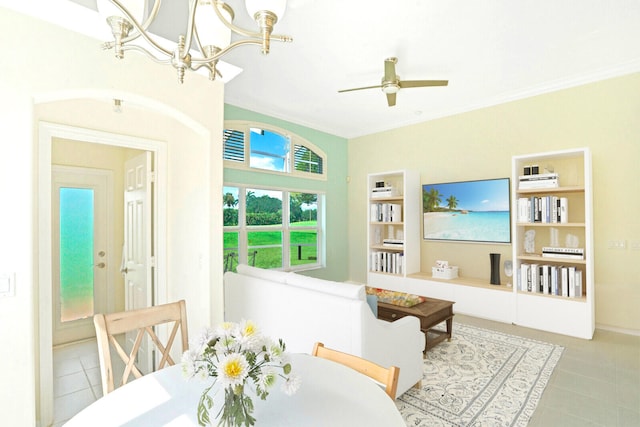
635	245
617	244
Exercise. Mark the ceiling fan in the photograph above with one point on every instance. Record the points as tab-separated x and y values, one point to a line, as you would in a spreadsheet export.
391	82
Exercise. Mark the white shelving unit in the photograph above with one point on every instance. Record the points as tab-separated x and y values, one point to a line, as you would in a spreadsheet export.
393	235
538	308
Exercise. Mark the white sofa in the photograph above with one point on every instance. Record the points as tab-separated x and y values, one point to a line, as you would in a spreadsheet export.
302	310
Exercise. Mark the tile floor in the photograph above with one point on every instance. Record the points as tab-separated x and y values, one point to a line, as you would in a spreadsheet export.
76	382
596	383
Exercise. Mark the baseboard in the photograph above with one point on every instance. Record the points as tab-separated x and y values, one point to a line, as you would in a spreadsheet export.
625	331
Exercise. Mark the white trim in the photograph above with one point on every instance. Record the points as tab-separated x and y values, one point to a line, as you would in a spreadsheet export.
46	132
625	331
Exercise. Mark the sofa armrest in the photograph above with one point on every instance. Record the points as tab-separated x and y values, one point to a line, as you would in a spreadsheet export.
399	343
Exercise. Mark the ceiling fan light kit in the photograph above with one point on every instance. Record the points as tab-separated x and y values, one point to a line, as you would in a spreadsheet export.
391	83
208	35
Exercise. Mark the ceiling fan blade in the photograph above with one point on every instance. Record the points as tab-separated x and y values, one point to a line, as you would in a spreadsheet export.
390	69
360	88
422	83
391	99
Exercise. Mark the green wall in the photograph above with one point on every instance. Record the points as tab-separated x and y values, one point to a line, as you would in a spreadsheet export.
335	187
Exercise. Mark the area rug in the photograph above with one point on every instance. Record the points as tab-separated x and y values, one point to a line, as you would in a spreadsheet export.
480	378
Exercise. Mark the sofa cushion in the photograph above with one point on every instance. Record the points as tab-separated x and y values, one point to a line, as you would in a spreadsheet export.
262	273
342	289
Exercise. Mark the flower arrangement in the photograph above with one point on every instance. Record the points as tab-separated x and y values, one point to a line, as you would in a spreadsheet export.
236	355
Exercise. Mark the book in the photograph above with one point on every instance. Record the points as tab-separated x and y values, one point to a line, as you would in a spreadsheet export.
560	252
578	283
381	192
386	212
554	280
572	281
525	277
542	180
564	210
538	177
564	274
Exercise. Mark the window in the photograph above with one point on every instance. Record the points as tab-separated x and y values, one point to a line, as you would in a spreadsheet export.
271	228
270	149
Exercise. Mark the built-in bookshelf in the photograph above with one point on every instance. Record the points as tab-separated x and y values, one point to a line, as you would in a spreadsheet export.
553	242
393	206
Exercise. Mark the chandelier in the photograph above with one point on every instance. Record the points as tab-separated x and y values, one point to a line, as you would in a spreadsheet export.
208	36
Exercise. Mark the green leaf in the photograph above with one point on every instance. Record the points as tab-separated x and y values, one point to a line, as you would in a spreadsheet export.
205	403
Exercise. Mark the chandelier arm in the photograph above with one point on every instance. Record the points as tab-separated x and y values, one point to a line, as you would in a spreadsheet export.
191	25
233	27
147	53
222	52
144	26
150	40
281	38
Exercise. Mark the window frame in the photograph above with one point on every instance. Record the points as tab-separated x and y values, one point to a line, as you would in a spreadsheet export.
243	229
294	139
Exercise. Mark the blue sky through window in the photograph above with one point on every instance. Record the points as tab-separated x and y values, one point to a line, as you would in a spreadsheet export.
269	150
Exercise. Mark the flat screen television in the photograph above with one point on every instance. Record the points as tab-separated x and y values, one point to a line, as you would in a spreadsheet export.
468	211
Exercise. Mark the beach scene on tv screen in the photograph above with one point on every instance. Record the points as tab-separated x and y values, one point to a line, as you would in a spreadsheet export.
476	211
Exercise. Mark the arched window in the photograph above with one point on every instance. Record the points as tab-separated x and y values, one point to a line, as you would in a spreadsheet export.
261	146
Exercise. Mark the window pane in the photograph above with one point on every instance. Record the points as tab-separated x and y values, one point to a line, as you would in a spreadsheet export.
76	253
303	209
265	249
264	207
305	160
230	250
304	247
233	145
269	150
230	206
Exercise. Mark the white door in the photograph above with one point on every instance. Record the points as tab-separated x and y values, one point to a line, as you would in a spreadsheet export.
81	226
137	253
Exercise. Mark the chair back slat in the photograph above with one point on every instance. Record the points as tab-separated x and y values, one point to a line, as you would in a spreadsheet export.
142	321
385	376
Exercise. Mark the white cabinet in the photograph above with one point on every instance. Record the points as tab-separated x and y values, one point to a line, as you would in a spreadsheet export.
553	242
393	236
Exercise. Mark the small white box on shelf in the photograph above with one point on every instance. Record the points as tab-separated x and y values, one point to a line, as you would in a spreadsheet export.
450	272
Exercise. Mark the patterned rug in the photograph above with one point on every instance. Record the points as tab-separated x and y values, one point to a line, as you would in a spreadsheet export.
480	378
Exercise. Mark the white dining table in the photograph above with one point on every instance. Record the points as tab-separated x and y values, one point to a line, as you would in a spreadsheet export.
330	394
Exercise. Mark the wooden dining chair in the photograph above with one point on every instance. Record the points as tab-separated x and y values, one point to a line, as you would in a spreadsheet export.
386	376
112	330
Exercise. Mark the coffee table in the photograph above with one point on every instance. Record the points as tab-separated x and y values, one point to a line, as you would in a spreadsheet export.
431	312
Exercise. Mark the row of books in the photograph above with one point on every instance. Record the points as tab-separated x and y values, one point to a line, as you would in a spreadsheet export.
387	262
545	209
386	212
540	180
564	281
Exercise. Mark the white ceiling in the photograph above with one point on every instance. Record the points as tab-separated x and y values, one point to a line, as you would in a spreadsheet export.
491	51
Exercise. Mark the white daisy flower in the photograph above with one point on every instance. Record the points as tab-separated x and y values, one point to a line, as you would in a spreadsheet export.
233	369
192	364
292	384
